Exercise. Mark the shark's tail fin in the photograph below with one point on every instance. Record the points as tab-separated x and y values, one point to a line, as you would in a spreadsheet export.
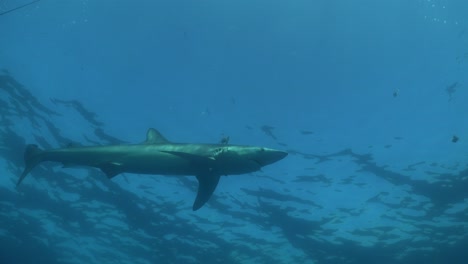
32	157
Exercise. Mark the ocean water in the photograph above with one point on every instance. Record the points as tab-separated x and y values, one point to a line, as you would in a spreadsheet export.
369	98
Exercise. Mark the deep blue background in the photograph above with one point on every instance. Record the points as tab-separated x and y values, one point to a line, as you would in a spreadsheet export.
379	179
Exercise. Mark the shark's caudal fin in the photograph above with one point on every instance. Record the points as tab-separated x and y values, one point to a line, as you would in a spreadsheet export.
31	158
206	186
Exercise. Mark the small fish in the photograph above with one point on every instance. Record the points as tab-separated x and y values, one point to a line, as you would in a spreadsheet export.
224	140
451	89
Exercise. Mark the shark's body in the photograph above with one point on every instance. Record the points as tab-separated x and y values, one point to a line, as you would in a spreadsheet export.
157	155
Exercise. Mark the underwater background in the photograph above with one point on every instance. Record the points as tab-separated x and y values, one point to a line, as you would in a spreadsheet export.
369	98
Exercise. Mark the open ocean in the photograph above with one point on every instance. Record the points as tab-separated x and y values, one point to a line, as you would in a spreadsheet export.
369	98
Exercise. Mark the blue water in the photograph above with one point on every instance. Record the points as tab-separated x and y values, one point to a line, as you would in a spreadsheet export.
367	97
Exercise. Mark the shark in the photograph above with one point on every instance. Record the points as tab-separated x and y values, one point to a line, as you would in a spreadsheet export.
159	156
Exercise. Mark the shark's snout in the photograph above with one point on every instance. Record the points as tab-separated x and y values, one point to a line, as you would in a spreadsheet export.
268	156
278	155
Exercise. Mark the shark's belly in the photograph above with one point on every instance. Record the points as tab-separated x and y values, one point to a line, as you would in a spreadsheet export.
157	160
159	163
162	166
130	162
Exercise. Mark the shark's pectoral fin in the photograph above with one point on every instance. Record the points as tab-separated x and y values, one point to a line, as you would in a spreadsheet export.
206	186
111	169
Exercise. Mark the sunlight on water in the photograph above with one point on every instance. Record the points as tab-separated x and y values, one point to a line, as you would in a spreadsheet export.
439	11
80	11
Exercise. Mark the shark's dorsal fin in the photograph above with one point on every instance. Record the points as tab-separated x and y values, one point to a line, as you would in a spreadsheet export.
154	137
206	186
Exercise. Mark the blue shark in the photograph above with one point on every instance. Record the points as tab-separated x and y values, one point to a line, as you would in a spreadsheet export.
159	156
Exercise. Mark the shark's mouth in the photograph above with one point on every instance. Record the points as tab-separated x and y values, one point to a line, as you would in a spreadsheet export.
257	163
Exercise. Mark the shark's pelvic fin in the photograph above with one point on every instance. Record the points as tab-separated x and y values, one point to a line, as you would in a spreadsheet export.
155	137
206	186
111	169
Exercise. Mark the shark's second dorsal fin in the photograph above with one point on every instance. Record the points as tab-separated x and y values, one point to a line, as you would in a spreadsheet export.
154	137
